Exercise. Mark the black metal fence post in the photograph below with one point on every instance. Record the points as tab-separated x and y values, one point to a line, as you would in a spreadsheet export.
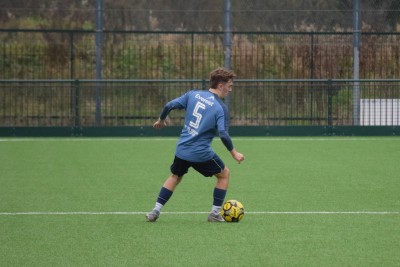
204	84
71	56
77	119
330	94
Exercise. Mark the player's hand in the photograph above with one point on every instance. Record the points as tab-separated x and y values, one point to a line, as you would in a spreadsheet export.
239	157
159	124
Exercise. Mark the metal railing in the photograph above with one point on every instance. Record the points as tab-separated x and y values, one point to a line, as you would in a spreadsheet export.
83	103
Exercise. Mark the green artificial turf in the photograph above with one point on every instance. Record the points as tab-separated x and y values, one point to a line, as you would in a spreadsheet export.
331	201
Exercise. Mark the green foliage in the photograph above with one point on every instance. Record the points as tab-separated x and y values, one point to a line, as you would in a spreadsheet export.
88	25
48	55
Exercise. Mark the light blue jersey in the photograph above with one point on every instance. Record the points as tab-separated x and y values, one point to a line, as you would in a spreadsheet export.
206	115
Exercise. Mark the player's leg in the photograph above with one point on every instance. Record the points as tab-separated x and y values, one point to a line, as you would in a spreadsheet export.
219	194
167	190
163	196
178	169
215	167
223	179
172	182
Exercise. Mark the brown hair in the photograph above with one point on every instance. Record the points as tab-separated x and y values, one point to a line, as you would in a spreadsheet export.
220	75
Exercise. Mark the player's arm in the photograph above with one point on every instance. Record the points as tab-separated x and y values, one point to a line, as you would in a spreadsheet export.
159	124
177	103
227	141
239	157
223	126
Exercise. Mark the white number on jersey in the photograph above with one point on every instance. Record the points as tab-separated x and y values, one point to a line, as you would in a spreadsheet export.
197	115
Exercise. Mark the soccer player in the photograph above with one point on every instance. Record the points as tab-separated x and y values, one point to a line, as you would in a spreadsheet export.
206	115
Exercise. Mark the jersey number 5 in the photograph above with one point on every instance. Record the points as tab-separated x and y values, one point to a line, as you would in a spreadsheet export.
197	115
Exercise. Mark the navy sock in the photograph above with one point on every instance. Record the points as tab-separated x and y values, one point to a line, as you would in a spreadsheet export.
219	196
164	195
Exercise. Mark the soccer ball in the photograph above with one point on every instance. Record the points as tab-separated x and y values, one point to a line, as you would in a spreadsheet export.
232	211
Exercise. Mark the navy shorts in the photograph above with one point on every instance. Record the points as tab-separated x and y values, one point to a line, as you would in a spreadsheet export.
207	168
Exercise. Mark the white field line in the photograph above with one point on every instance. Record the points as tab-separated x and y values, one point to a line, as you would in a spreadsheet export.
174	139
203	212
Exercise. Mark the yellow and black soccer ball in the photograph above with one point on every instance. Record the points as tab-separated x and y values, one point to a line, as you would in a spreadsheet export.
232	211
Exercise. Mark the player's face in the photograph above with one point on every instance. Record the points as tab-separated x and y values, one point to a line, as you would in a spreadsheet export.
225	88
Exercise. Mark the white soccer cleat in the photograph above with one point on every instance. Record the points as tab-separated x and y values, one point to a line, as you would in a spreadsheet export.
152	216
215	218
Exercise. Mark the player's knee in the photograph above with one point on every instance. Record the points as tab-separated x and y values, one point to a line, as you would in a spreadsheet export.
172	182
227	172
224	174
177	179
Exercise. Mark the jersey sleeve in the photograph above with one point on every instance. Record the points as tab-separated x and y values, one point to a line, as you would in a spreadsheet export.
226	140
223	128
177	103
